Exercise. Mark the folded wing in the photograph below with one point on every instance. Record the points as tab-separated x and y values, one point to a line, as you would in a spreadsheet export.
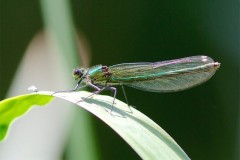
165	76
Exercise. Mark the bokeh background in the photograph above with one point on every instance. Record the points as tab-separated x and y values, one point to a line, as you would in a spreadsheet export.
204	120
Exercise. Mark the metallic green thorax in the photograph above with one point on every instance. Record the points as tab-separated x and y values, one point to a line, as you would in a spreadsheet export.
97	75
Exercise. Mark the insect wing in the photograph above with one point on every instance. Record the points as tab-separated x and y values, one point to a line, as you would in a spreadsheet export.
167	76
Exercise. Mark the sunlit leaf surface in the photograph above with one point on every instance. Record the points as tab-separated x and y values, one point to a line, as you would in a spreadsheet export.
148	139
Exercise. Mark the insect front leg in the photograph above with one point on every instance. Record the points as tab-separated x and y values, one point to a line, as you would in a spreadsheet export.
78	86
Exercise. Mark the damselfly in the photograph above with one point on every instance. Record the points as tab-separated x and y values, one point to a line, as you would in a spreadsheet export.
164	76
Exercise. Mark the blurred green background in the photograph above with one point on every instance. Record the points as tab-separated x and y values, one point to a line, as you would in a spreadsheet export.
204	120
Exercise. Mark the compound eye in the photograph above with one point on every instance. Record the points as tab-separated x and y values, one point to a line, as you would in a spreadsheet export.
77	73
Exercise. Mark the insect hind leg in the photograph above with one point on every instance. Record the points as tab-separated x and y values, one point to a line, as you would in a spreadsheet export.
125	96
114	90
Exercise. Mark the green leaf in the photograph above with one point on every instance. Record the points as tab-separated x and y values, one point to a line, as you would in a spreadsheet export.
148	139
14	107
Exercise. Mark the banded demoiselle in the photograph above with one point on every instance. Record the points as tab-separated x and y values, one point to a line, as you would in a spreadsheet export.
164	76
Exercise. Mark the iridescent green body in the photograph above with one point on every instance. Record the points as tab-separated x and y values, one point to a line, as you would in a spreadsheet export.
164	76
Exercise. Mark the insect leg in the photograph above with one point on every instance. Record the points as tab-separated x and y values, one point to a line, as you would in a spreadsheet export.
125	95
100	88
114	90
76	88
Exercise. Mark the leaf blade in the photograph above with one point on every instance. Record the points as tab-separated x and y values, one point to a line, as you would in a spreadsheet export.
14	107
148	139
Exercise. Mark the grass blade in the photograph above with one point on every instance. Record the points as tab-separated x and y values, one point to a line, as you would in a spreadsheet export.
14	107
148	139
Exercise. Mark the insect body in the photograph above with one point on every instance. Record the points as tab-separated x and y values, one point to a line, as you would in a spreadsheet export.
163	76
